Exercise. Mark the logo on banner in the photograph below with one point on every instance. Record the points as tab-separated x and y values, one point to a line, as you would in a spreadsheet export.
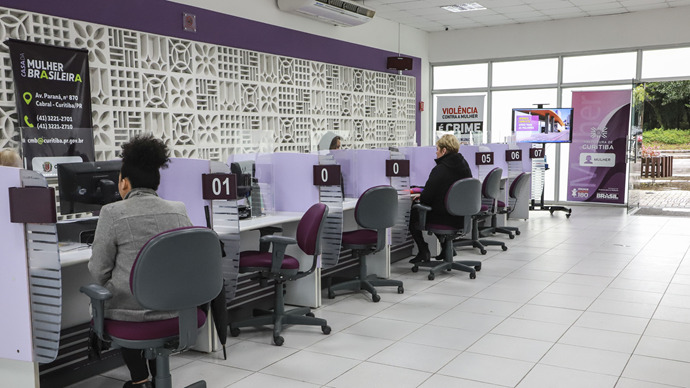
580	192
599	133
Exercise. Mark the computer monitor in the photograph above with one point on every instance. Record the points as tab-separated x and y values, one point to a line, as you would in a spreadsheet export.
244	171
87	186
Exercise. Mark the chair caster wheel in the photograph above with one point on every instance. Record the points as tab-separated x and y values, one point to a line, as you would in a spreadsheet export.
331	295
473	275
505	248
401	290
567	215
477	268
325	329
431	276
310	315
517	232
512	236
415	268
483	251
278	340
551	211
234	332
375	298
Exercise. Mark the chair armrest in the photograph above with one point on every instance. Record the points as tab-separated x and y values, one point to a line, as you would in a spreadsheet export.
267	231
98	295
421	210
278	250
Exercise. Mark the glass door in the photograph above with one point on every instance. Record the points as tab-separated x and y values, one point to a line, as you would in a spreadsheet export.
634	147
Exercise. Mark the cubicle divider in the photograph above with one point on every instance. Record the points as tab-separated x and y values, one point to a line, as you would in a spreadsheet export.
421	163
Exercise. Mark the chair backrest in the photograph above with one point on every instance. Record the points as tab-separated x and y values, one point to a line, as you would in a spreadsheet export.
517	184
310	227
464	197
178	269
491	187
377	208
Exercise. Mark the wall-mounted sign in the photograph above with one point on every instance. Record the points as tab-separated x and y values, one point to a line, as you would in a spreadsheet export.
461	115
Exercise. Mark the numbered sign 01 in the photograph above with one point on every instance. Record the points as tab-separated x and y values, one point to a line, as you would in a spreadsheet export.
536	153
397	167
513	155
219	186
484	158
326	175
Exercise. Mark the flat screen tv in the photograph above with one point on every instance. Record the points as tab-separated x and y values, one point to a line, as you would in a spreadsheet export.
543	125
87	186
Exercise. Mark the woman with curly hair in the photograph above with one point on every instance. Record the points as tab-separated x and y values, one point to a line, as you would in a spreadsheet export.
123	229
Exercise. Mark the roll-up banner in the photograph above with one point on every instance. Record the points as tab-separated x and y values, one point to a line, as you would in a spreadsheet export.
462	116
53	99
597	171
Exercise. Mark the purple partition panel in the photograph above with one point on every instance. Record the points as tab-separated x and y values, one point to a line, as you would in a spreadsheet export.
181	181
293	181
499	151
15	323
345	158
468	152
369	171
421	163
526	161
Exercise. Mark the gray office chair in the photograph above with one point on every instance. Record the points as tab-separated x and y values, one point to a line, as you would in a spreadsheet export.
375	212
177	270
463	199
516	188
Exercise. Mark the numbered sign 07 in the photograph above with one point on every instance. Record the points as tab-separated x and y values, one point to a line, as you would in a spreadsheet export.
536	153
397	167
326	175
484	158
219	186
513	155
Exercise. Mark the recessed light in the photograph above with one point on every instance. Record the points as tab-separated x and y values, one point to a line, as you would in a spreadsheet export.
464	7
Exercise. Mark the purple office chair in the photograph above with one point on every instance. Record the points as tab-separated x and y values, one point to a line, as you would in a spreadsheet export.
463	199
278	266
375	212
506	208
176	270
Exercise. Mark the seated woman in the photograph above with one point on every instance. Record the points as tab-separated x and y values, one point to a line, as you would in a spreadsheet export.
9	157
123	229
451	166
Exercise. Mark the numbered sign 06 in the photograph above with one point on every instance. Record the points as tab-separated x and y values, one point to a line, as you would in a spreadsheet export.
397	167
536	153
219	186
513	155
484	158
326	175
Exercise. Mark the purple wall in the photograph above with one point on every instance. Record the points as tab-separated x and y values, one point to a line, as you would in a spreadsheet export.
165	18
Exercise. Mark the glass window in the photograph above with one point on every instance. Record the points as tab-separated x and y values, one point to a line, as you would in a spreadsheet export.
666	63
461	76
604	67
502	105
532	72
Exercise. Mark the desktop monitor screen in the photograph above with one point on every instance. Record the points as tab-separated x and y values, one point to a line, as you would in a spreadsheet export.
85	187
542	125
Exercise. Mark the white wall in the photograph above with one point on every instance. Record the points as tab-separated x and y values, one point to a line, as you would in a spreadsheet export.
633	30
378	33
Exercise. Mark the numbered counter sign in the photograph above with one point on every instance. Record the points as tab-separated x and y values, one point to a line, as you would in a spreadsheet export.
397	167
513	155
327	175
536	153
484	158
219	186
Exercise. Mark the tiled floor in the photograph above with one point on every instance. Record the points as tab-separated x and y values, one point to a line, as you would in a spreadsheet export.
598	300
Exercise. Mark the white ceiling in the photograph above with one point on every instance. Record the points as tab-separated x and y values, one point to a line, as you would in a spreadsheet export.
427	15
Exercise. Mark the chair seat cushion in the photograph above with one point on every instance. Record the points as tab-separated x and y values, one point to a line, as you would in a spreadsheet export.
256	259
484	208
501	204
360	237
138	331
440	227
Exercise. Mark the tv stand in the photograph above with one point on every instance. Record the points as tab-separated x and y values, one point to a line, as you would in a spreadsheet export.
541	206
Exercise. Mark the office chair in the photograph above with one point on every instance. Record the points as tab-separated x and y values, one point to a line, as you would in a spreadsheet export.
375	211
280	267
515	189
490	190
176	270
462	199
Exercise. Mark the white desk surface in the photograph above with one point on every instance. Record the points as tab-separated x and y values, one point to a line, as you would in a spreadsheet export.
74	253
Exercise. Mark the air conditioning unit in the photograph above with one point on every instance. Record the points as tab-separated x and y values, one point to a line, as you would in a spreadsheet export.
338	12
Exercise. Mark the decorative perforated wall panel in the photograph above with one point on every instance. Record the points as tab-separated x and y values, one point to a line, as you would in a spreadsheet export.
201	98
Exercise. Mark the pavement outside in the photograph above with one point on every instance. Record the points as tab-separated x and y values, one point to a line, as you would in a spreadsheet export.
667	195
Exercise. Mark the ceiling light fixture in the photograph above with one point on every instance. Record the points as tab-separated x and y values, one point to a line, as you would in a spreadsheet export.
466	7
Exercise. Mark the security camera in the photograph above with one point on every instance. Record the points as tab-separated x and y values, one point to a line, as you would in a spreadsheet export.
446	28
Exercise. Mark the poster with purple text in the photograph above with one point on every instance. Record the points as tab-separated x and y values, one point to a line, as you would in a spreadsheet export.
596	172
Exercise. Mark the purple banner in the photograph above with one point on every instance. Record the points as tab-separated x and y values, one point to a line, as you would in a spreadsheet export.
596	172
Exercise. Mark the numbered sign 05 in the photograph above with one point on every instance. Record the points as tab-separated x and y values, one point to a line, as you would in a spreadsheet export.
219	186
484	158
536	153
326	175
397	167
513	155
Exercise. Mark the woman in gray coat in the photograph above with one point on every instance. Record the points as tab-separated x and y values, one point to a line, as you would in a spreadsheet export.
123	229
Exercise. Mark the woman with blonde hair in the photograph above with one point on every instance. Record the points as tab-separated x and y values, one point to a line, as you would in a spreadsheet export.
10	157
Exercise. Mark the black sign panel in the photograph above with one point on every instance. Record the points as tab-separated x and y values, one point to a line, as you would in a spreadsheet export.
513	155
327	175
32	205
484	158
219	186
397	167
536	153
